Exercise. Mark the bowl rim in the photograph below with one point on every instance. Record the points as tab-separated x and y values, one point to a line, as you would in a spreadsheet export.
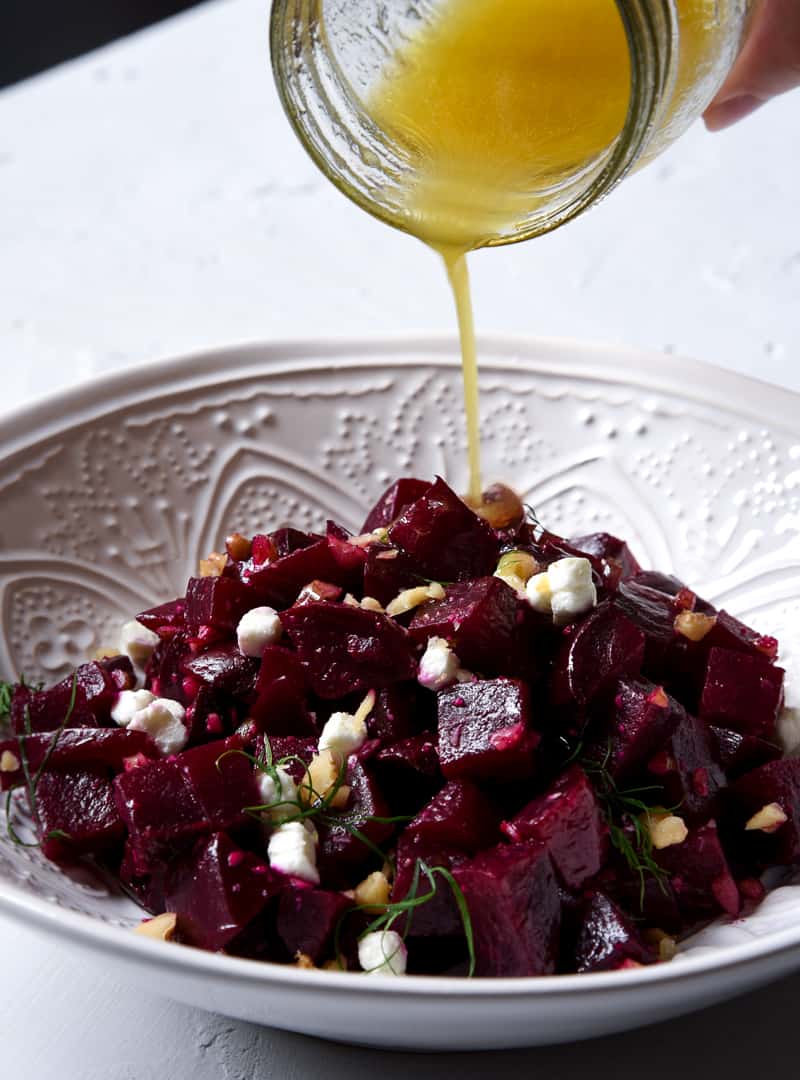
108	392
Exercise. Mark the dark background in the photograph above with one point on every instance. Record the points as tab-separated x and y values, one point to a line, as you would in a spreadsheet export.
36	34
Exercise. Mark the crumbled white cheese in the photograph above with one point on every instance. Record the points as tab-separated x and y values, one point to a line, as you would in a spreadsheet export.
565	590
292	850
258	628
137	642
128	704
789	729
277	787
343	734
164	721
383	953
439	666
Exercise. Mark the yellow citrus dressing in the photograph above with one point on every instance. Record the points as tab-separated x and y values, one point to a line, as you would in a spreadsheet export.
493	103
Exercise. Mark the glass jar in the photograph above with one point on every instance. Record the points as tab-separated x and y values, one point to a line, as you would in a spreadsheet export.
329	55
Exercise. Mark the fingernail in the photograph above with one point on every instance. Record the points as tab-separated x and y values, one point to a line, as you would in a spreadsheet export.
729	112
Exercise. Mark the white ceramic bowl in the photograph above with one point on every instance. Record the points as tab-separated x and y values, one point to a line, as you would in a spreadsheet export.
112	492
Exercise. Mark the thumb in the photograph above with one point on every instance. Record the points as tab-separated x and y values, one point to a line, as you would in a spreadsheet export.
768	65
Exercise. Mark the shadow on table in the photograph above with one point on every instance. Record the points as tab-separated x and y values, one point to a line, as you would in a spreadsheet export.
738	1040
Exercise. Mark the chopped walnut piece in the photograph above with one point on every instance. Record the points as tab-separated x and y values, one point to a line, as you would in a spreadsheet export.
239	547
214	564
319	590
379	536
162	927
666	830
665	946
321	776
9	762
409	599
105	652
373	893
768	819
658	697
517	565
694	625
499	506
302	960
369	603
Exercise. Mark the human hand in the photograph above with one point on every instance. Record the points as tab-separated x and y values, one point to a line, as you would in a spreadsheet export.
768	65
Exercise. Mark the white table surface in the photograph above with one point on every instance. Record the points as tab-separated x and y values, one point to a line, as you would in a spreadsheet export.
153	201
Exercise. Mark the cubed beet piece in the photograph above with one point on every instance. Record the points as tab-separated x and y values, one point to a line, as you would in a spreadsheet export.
147	888
75	748
439	916
485	730
776	782
479	620
408	773
388	571
688	771
445	538
217	890
46	710
742	692
643	720
158	804
350	559
340	848
602	648
699	874
80	806
166	619
568	820
345	649
393	502
399	712
165	673
225	670
608	939
281	689
459	816
605	546
307	920
223	780
738	753
278	582
218	602
515	908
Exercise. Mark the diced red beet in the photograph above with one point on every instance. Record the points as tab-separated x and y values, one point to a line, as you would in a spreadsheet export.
515	908
688	770
478	618
278	582
159	807
147	888
225	670
601	649
738	753
75	748
218	602
399	711
339	848
281	689
608	940
439	916
120	669
166	619
649	897
445	538
485	730
223	780
742	692
218	890
286	746
605	546
393	502
408	772
307	920
459	816
78	805
700	875
567	819
776	782
165	672
388	571
644	719
46	710
350	559
345	649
